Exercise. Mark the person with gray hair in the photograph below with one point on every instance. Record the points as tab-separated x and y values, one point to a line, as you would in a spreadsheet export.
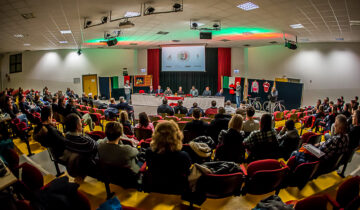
127	89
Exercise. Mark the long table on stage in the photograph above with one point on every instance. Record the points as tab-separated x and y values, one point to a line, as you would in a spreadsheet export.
152	100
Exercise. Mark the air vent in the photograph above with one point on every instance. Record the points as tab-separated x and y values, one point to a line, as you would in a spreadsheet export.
225	40
175	40
162	32
273	42
28	15
246	45
133	44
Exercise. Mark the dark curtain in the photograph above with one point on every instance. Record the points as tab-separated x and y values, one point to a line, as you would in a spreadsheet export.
291	93
224	64
153	65
104	87
199	79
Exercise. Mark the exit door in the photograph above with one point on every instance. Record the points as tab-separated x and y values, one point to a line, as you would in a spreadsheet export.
90	84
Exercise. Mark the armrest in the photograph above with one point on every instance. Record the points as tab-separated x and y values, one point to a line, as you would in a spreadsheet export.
243	169
143	168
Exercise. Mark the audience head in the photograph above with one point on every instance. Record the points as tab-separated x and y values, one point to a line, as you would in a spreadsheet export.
356	118
46	114
73	123
338	101
112	100
347	107
318	103
121	99
265	123
180	102
356	98
290	124
250	112
273	89
95	97
180	88
340	124
22	98
8	100
196	113
221	110
207	88
331	103
342	98
143	119
37	97
321	108
164	101
61	101
213	103
55	100
123	117
167	137
236	122
71	101
113	131
228	103
195	105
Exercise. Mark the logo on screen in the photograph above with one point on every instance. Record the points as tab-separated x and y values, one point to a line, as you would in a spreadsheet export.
183	55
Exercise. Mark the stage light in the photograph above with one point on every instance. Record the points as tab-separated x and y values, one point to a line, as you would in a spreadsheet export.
194	25
79	52
27	44
132	14
150	10
104	19
296	26
18	35
177	7
216	25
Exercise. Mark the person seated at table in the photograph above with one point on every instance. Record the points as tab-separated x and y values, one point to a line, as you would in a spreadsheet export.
124	120
47	134
113	152
212	110
194	92
288	139
220	93
168	91
144	122
250	124
207	91
159	90
228	108
197	126
180	91
180	109
165	108
151	90
195	105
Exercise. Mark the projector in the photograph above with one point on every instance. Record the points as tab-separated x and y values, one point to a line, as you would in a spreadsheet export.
290	44
126	24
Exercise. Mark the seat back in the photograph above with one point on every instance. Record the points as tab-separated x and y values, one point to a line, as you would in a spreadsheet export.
220	185
121	176
318	202
348	192
265	176
302	174
96	135
314	139
30	176
141	133
189	136
174	118
188	119
154	118
305	137
180	115
181	124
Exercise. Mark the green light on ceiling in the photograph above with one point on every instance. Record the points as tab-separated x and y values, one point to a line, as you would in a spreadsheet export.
241	30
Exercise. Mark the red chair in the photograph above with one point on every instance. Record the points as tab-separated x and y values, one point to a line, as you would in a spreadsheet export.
301	174
347	195
286	112
155	118
21	130
278	116
264	176
141	91
97	118
187	119
314	139
145	143
307	122
96	135
306	136
141	133
12	159
182	124
317	202
174	118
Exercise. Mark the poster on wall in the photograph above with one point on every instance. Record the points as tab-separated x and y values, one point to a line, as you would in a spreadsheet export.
142	80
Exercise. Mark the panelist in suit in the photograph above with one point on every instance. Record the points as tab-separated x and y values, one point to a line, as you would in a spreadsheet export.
180	91
207	91
194	91
168	91
159	90
151	91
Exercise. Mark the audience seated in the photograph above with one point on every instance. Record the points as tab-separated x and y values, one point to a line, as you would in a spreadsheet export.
195	105
71	109
212	110
144	122
110	113
168	166
263	144
54	104
250	124
165	108
25	107
197	126
123	105
354	134
220	122
180	109
347	110
47	134
112	151
228	108
288	139
231	146
124	120
97	103
13	110
62	106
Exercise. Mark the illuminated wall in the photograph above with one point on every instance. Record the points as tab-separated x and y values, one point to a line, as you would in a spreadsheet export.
56	69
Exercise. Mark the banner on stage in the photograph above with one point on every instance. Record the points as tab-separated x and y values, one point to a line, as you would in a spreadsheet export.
142	80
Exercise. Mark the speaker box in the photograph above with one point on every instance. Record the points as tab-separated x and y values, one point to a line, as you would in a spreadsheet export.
111	42
205	35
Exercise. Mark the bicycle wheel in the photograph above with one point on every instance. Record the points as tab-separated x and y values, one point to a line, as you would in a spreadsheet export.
265	106
282	108
257	106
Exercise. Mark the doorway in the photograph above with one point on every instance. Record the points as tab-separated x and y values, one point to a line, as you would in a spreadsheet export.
90	84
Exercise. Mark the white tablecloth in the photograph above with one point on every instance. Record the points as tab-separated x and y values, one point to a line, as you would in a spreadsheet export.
152	100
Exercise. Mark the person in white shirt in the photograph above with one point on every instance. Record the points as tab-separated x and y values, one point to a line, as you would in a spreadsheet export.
127	91
228	108
250	124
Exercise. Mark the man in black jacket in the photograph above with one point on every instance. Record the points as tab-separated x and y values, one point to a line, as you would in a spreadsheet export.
220	122
197	126
180	109
165	108
289	139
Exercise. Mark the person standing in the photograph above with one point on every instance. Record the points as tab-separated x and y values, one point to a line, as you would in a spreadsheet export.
127	91
238	94
273	98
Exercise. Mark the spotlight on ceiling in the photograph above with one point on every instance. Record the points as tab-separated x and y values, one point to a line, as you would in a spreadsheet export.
150	10
79	52
194	25
88	23
177	7
216	25
104	19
